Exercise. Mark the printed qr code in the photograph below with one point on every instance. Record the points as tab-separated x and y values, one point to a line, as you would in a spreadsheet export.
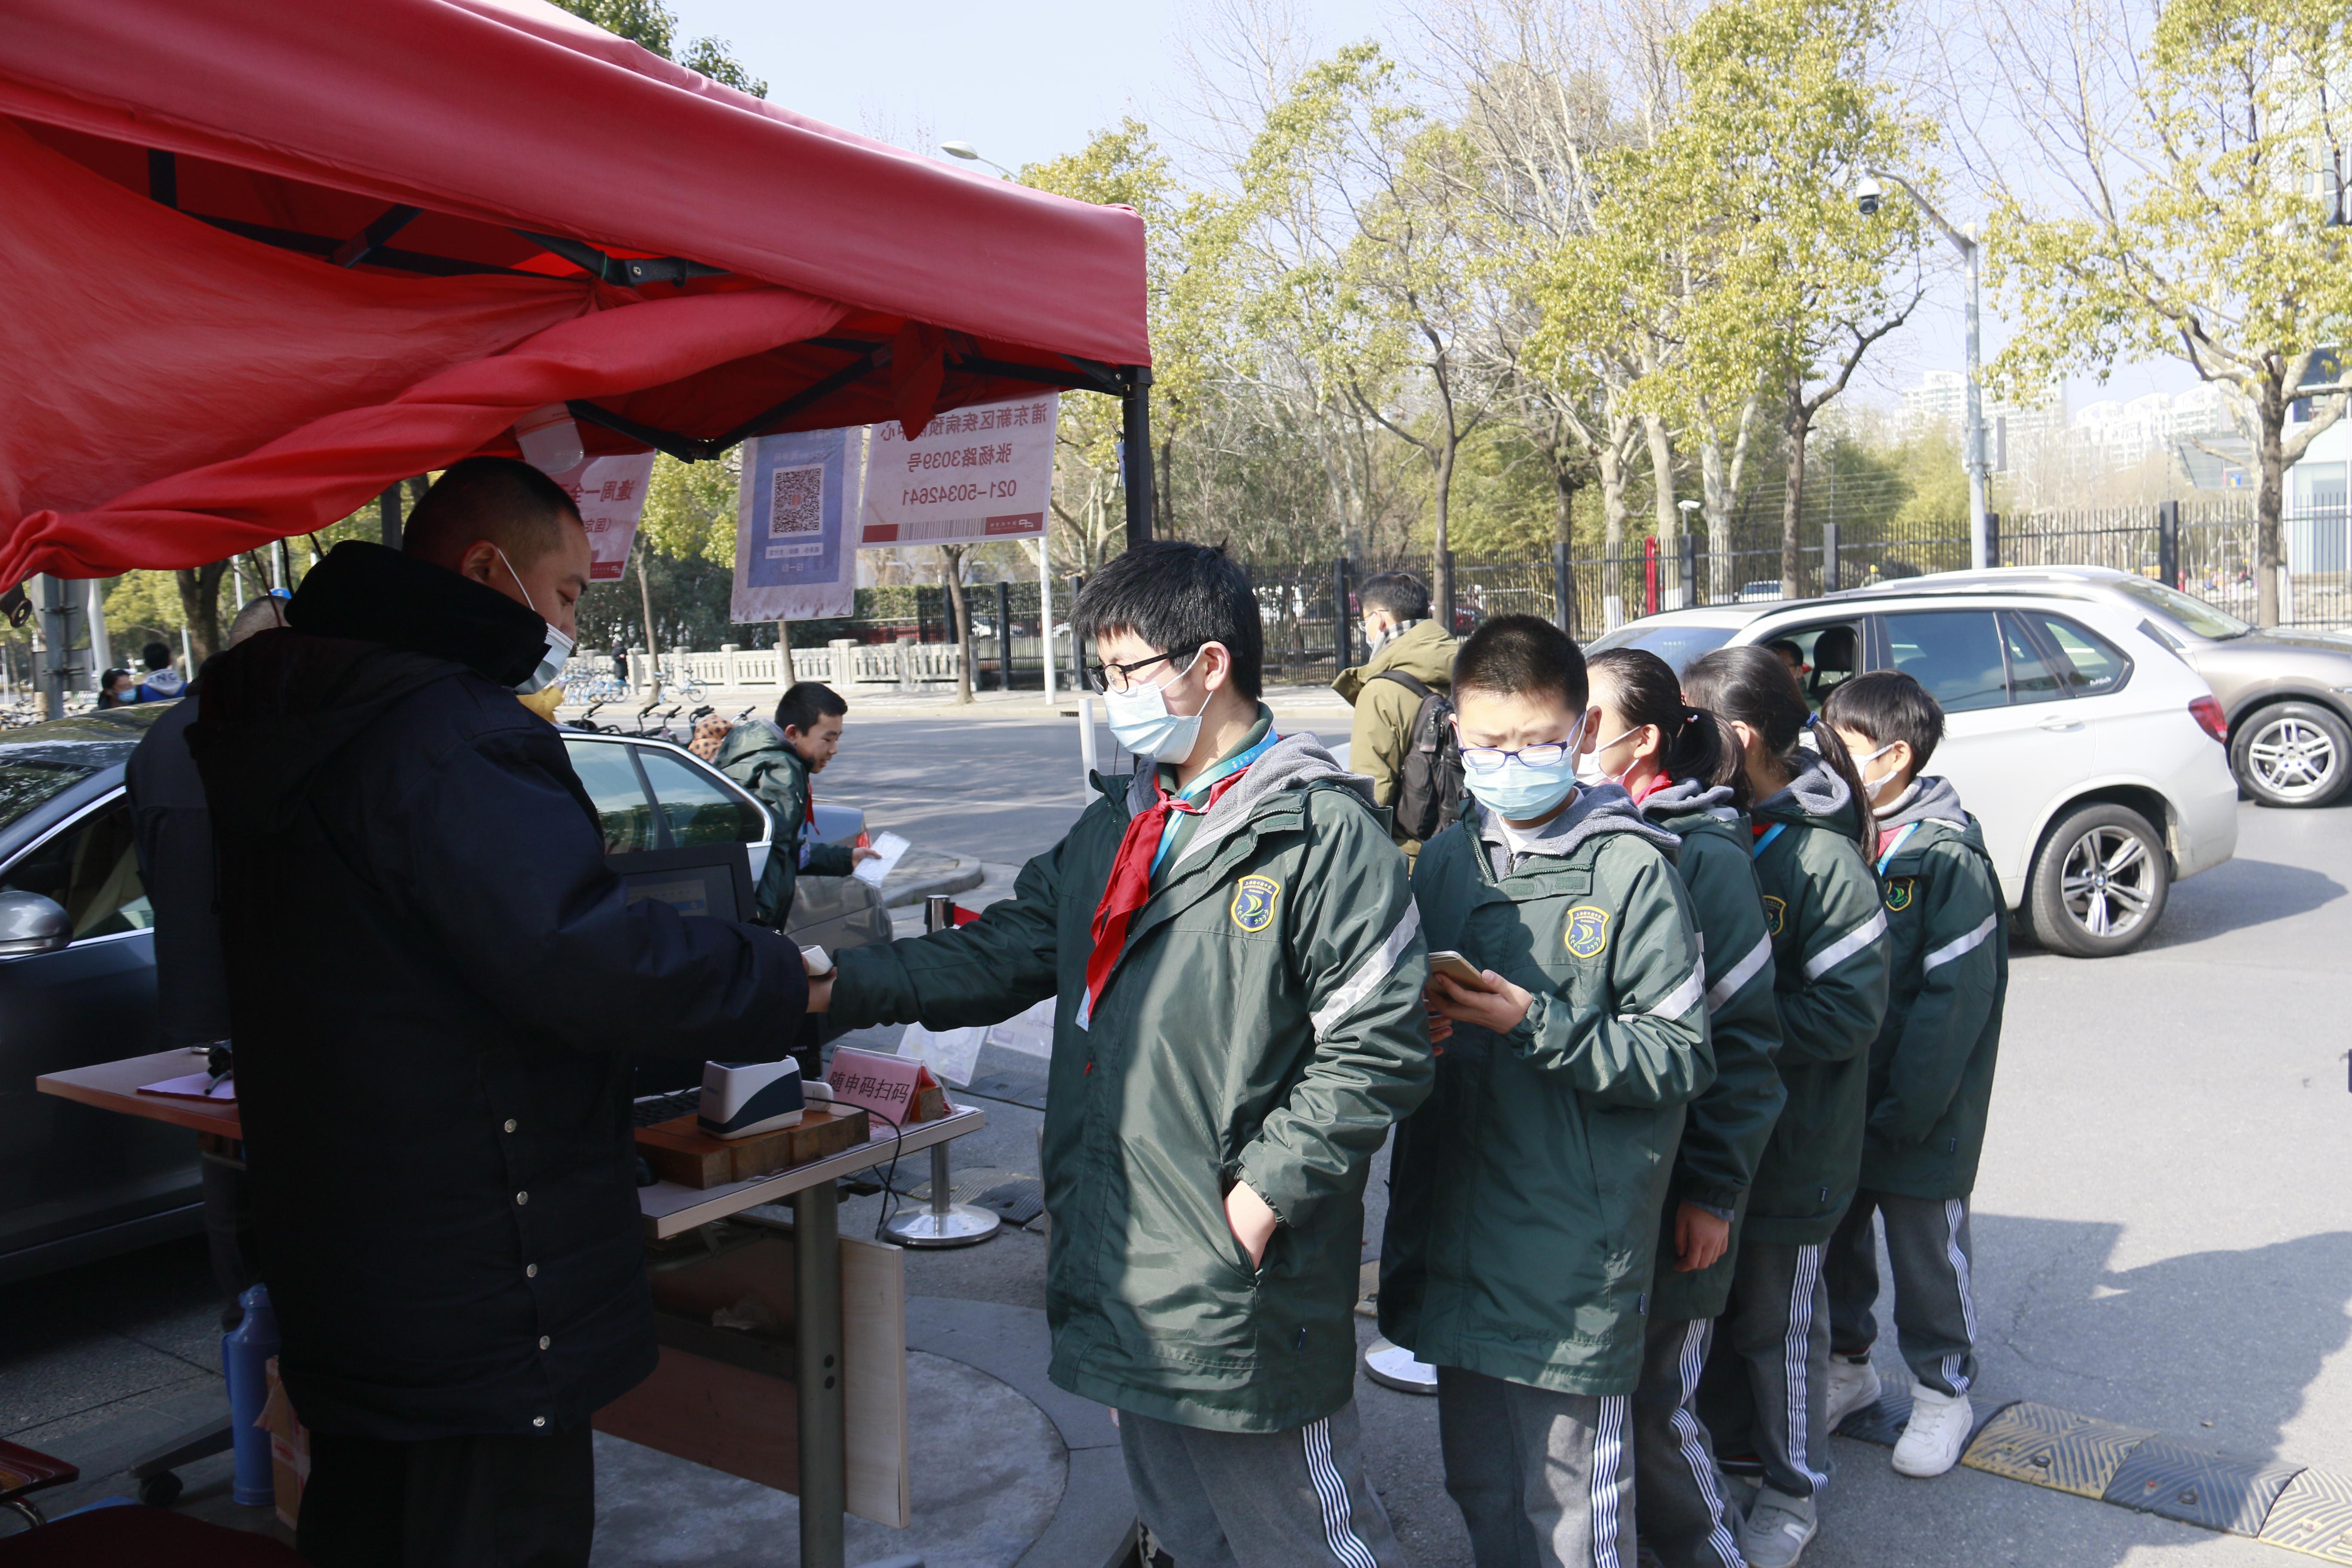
797	503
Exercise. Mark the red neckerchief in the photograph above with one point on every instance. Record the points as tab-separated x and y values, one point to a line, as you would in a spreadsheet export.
1130	879
1657	781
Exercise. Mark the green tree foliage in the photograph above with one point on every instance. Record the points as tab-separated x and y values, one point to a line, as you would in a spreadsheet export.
2207	170
653	27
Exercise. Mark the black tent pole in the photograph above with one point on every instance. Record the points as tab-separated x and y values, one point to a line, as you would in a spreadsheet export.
1135	404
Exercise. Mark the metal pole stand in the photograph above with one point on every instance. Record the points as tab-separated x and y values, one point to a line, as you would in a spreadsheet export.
943	1224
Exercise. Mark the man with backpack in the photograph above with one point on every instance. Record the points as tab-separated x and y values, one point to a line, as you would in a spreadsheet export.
1401	740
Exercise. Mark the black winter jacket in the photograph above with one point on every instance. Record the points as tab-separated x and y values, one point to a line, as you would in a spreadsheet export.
174	838
438	992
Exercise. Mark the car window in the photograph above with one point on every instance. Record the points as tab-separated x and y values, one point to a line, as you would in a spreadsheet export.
92	869
2199	617
2032	677
619	797
1955	653
699	808
1678	644
2089	664
1827	655
24	785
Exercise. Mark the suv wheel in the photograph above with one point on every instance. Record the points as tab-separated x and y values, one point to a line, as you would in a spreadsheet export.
2100	882
2293	753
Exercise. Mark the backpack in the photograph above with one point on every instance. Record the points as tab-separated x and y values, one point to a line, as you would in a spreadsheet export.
1429	784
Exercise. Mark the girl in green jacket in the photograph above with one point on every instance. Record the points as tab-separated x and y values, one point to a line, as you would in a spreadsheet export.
1684	772
1813	835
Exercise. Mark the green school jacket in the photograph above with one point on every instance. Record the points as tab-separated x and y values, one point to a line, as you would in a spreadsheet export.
1931	1068
755	755
1263	1025
1524	1196
1731	1120
1829	956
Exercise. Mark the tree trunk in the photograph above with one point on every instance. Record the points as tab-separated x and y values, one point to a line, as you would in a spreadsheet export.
1163	525
1661	475
1563	488
200	607
2270	415
646	609
953	554
1445	454
1792	497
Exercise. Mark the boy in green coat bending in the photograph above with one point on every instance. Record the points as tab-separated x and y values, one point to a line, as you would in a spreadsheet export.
1526	1196
1238	965
1930	1074
774	763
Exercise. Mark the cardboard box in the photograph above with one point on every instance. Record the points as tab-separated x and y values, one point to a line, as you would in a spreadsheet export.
289	1450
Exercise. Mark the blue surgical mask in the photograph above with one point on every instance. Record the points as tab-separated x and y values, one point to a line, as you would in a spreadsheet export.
1141	722
1518	791
559	646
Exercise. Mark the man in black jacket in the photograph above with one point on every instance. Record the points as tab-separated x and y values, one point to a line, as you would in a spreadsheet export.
438	991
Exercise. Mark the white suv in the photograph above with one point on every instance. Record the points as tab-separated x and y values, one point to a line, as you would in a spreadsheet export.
2093	755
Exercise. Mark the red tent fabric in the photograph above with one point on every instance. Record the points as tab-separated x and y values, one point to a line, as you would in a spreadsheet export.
264	260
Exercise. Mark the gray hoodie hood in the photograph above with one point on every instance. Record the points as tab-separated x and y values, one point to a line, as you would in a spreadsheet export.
1816	792
1292	762
1685	796
1595	810
1924	799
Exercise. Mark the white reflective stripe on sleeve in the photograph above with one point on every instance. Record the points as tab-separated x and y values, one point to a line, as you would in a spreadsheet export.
1370	972
1847	946
1733	983
1960	947
1682	999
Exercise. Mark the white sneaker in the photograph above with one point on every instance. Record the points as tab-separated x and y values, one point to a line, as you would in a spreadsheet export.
1777	1529
1853	1385
1939	1426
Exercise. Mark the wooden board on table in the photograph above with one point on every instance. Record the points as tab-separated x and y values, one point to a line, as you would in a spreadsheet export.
735	1419
680	1151
114	1086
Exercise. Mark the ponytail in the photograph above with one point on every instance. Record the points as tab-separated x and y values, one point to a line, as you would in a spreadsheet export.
1753	685
1694	744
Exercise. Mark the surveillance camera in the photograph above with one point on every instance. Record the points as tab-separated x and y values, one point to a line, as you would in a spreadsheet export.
1866	193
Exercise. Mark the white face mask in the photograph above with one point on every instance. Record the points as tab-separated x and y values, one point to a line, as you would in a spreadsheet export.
1877	788
1588	766
559	645
1141	722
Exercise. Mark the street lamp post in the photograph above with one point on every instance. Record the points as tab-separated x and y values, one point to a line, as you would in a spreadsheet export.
970	154
1866	196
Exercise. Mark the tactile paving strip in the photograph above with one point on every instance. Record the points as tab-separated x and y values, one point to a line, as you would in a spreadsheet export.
2055	1448
2162	1477
2313	1515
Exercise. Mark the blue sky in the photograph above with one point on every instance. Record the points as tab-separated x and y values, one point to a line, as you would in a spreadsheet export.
1031	79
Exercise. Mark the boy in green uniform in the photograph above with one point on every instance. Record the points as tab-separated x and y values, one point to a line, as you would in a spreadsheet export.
1238	965
774	763
1930	1074
1526	1196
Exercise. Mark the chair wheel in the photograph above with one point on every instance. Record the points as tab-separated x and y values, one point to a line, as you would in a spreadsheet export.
161	1489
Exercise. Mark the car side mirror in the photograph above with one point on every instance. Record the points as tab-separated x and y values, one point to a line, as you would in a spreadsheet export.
31	924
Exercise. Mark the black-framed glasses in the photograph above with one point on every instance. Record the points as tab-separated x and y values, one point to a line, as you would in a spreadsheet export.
1490	759
1105	676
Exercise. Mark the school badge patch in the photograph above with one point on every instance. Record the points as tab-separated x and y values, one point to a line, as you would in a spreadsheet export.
1253	901
1776	913
1588	930
1898	893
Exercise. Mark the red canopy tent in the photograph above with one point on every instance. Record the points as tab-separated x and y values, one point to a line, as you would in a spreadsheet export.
263	260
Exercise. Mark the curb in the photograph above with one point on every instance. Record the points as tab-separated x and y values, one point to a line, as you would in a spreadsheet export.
963	872
1095	1525
2280	1504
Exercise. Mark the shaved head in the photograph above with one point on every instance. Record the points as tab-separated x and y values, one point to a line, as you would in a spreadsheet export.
512	505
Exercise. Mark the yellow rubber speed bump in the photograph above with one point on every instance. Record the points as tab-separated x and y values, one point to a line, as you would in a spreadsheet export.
2054	1448
2313	1515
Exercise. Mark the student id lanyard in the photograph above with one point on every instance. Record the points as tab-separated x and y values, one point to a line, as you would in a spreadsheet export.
1769	833
1895	848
